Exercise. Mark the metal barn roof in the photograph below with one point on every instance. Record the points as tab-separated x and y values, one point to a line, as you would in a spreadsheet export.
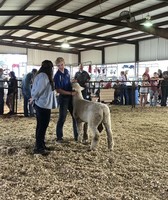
85	24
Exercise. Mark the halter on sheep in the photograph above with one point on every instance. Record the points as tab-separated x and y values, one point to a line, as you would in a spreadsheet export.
94	113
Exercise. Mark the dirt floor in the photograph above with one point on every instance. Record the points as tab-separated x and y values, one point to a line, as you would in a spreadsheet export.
137	168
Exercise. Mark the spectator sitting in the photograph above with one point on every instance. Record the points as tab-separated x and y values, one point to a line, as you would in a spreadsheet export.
108	84
117	91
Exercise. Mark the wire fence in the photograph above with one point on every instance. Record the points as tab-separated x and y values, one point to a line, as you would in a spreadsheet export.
92	86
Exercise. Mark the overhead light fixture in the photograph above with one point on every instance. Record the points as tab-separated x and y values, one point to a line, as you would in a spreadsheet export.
148	22
65	44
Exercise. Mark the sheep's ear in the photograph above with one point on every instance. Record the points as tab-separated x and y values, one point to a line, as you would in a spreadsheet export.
82	88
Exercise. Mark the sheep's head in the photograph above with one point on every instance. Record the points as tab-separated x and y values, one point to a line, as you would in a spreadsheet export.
77	87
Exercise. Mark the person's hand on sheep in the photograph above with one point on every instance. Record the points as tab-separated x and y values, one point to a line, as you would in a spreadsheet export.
73	93
73	81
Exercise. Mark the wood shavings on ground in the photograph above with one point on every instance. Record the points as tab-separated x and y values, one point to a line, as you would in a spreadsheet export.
137	168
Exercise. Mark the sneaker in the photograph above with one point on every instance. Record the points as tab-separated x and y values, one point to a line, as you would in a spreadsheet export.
43	152
10	113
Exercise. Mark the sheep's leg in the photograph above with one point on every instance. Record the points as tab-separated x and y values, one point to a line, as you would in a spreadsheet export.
85	132
95	138
80	133
109	136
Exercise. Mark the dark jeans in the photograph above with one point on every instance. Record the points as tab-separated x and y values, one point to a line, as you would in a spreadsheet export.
124	94
43	119
65	102
28	108
164	96
1	101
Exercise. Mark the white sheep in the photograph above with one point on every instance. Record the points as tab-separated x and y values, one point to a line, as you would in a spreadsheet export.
94	113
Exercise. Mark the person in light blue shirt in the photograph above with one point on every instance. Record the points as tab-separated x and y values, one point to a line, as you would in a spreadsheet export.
44	99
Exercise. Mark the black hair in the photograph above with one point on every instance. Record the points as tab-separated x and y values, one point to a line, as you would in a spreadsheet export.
12	73
34	71
47	67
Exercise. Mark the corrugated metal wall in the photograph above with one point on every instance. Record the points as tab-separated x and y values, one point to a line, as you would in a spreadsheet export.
12	50
155	49
35	57
120	53
149	50
94	56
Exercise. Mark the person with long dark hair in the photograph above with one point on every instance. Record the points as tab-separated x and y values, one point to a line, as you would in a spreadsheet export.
12	92
44	99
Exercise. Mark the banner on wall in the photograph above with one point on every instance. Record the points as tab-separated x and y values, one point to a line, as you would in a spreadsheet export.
15	65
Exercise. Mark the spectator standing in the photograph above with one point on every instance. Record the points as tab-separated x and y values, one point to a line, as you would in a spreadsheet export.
108	84
2	79
82	77
154	90
126	75
144	89
26	90
123	89
164	88
12	92
44	99
147	73
159	86
64	88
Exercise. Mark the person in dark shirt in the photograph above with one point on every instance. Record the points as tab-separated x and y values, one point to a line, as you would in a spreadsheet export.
159	86
64	88
82	77
164	88
12	92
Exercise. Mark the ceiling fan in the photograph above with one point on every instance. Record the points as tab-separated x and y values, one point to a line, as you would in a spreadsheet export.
127	16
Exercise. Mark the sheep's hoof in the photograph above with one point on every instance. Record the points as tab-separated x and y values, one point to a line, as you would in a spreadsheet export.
111	146
110	149
85	142
80	141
